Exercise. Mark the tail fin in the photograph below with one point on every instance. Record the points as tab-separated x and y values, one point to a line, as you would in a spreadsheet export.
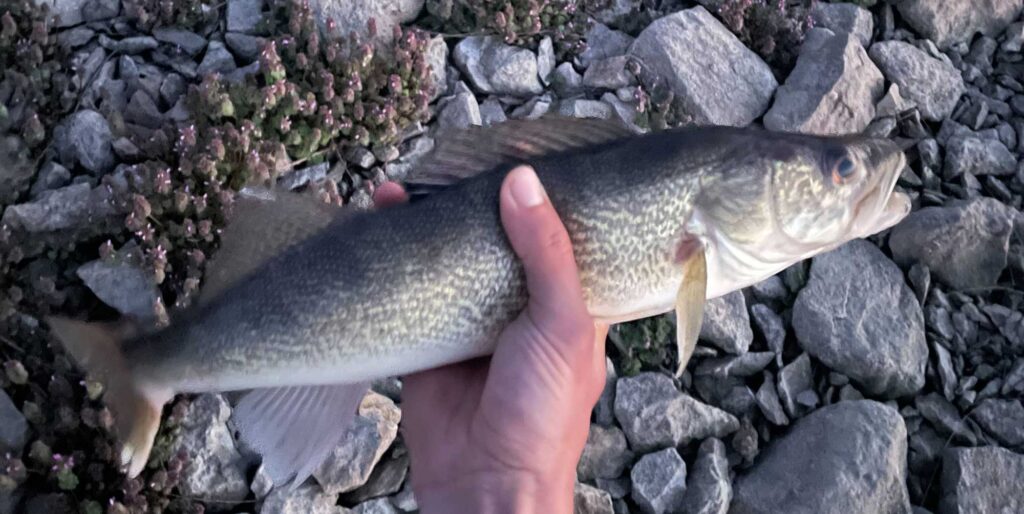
97	350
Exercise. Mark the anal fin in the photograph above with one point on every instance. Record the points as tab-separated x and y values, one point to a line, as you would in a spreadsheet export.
690	306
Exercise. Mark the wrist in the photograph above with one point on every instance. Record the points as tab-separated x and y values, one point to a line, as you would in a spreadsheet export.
498	493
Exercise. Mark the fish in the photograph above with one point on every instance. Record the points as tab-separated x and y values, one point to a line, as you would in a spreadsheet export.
305	304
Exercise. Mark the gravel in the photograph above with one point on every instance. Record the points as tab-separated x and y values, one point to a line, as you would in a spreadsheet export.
659	482
935	86
84	139
496	68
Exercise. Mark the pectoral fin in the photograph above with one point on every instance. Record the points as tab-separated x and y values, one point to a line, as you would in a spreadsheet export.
690	306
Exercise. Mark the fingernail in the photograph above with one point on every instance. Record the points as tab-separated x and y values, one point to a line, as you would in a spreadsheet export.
526	188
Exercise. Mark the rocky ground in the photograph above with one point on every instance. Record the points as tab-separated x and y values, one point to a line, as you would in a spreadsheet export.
885	376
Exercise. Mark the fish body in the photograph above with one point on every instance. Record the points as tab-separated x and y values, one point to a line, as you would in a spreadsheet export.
434	281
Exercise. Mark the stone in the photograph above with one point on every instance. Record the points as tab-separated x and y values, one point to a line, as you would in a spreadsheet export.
831	91
724	84
605	454
16	168
14	429
978	156
746	365
659	482
610	73
771	326
602	43
304	499
84	139
709	488
386	479
545	59
304	176
188	41
582	108
173	88
957	21
934	85
352	17
378	506
491	112
360	156
1004	419
244	15
534	108
604	411
849	458
72	208
130	45
768	401
460	112
372	432
50	176
857	316
944	417
983	479
566	81
893	104
405	500
795	378
217	60
215	471
727	324
262	484
437	58
496	68
845	18
591	500
654	414
625	112
97	10
964	245
142	110
68	12
246	48
618	13
122	284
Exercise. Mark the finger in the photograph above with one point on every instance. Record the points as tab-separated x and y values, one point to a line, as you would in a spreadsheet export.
388	194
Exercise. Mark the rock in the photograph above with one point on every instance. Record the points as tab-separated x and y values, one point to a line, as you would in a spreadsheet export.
849	457
591	500
1004	419
460	112
77	207
360	157
496	68
610	73
794	379
845	18
84	139
624	112
982	480
659	482
771	327
122	284
188	41
618	12
173	88
978	157
52	503
130	45
16	168
355	16
304	176
944	417
893	105
724	84
437	59
545	59
745	365
935	86
244	15
768	401
957	21
491	112
964	245
605	454
727	324
142	110
581	108
387	478
378	506
604	411
350	464
709	490
831	91
262	484
217	60
305	499
405	500
566	81
602	43
68	12
215	472
247	48
534	108
13	426
654	414
51	176
857	315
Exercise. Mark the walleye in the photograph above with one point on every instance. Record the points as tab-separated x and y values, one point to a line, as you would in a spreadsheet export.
305	305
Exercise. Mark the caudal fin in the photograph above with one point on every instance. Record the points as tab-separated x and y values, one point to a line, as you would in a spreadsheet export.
97	350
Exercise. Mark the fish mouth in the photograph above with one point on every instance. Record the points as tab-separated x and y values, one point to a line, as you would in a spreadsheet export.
881	206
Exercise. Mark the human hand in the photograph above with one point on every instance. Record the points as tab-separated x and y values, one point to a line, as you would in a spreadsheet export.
504	434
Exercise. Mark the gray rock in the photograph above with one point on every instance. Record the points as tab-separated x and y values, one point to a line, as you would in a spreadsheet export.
746	365
437	59
771	327
459	112
582	108
16	168
96	10
545	59
605	454
378	506
68	12
130	45
794	379
1004	419
982	480
566	81
122	284
13	426
604	411
591	500
350	464
935	86
725	83
244	15
945	368
978	156
360	157
262	484
305	499
217	60
709	489
1014	38
215	472
964	245
944	417
727	323
768	401
304	176
602	43
659	482
491	112
405	500
142	110
857	315
386	479
618	12
831	91
610	73
173	88
84	139
654	414
845	18
188	41
51	176
354	16
245	47
77	207
496	68
847	458
893	104
957	21
624	112
534	108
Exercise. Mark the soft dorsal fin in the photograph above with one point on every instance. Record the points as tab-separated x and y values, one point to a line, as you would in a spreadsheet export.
463	153
263	223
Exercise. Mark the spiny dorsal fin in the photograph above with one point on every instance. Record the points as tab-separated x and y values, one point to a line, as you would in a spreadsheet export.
263	223
460	154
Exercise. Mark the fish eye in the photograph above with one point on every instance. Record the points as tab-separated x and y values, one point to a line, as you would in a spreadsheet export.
841	166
